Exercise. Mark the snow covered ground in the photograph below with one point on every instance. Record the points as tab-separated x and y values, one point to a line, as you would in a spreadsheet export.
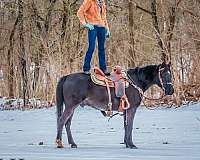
160	134
16	103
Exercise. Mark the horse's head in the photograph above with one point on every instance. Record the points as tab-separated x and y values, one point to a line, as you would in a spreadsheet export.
165	78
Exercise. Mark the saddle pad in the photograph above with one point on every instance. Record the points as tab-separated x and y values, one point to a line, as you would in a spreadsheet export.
100	82
97	81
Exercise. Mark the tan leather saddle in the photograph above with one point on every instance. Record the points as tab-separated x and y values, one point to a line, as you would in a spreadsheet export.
117	80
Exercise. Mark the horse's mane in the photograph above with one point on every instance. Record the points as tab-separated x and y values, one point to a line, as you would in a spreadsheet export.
145	72
147	68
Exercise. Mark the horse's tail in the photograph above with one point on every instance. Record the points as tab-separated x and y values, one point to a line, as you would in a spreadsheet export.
60	97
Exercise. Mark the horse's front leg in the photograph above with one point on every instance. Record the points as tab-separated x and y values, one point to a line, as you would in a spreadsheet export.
128	126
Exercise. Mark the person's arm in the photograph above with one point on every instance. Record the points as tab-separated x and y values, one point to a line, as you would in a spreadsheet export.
81	12
106	22
106	25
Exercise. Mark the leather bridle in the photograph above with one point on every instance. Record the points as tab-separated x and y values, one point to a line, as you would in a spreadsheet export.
130	80
161	80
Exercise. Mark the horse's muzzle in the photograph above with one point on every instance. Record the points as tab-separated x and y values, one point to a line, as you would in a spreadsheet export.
169	89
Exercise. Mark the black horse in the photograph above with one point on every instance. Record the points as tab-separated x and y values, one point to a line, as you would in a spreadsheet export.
77	89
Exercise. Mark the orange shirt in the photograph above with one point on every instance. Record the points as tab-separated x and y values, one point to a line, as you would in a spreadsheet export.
89	13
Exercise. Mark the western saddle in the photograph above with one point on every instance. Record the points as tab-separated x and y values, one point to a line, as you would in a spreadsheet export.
117	80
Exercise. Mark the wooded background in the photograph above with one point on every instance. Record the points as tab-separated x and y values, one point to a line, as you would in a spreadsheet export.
41	40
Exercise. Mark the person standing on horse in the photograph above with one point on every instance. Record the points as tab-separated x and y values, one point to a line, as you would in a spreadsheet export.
92	15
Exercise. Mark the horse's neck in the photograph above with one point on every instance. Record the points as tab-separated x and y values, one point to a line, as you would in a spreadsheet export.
140	78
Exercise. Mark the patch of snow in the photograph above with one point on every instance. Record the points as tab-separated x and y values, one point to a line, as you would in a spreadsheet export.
17	103
160	134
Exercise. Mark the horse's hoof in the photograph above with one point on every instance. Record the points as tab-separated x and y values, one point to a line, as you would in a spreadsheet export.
73	146
61	146
132	146
59	143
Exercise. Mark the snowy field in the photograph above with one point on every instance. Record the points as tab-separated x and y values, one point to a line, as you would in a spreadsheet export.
161	134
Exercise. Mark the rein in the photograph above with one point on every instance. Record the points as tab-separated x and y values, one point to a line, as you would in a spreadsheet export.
143	97
131	81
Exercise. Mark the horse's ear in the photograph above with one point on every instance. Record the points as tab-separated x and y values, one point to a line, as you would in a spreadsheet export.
168	64
162	65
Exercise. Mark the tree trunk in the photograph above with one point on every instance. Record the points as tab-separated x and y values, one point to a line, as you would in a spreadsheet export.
48	16
172	19
43	26
22	54
10	61
132	53
157	30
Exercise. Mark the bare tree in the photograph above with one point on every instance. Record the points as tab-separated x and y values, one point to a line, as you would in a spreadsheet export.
42	40
22	52
132	52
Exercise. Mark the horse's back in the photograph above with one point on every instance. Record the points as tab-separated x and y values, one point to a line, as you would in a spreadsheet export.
76	85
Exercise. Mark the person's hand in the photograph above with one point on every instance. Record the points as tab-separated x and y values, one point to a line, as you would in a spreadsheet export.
107	33
89	26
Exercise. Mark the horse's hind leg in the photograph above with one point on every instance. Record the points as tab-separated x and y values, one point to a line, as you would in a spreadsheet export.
69	134
61	122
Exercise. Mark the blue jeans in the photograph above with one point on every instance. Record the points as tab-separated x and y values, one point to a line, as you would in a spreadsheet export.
99	33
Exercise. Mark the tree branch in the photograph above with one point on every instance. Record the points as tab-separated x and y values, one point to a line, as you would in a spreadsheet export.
157	30
48	16
143	9
36	17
